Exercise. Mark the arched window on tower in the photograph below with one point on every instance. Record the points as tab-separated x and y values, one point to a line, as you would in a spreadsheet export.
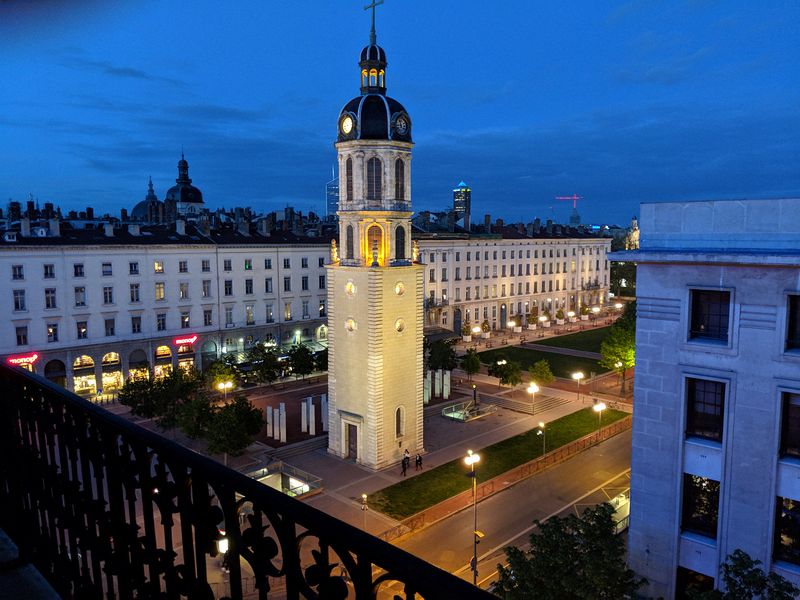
382	78
373	77
374	242
364	79
398	422
374	179
399	179
348	175
400	243
348	243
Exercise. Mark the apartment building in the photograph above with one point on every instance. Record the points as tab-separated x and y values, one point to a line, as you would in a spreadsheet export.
716	431
89	308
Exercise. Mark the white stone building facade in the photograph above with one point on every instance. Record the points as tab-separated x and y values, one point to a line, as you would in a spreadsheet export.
95	314
494	279
716	431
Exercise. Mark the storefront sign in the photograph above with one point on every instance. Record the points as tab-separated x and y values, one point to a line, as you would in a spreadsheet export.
185	341
27	359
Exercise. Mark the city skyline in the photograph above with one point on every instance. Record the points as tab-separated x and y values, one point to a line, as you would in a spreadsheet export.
633	103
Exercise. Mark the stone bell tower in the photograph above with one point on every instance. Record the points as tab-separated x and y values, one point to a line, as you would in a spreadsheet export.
375	282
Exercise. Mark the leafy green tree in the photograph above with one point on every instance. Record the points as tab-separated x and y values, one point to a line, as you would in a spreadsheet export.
627	319
233	427
511	374
142	396
174	391
495	368
743	579
471	363
573	557
540	372
623	273
301	360
221	371
442	355
195	416
618	352
264	362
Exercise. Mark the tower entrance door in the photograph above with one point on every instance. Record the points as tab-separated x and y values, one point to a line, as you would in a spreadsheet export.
352	441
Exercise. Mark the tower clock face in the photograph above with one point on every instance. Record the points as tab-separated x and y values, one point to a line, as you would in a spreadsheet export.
401	125
347	125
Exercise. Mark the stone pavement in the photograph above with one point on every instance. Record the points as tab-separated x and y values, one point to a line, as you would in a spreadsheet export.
446	440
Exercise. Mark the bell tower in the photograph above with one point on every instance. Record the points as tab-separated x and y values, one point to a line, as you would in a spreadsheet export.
375	284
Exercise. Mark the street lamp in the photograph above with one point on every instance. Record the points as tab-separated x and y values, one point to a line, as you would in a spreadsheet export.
471	459
542	433
474	395
577	377
532	389
476	330
223	387
364	509
599	407
618	305
510	324
222	549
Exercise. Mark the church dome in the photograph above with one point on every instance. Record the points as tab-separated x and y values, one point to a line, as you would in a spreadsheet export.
184	191
373	115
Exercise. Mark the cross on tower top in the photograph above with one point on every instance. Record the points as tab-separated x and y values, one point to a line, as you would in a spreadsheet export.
372	5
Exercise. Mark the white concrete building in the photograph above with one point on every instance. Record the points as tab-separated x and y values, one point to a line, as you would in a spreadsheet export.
90	307
716	433
494	278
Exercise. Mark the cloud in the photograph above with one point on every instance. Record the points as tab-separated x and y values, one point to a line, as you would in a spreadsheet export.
125	72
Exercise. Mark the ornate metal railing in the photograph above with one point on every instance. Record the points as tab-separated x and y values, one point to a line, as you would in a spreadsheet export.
106	509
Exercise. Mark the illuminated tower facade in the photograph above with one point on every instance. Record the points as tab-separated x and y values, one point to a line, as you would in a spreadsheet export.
375	282
462	203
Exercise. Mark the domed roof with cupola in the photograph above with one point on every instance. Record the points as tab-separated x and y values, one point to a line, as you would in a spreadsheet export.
184	191
373	115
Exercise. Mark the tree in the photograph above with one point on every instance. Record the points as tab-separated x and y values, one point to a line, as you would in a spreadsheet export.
233	427
195	416
141	395
221	371
623	278
743	580
511	373
471	363
301	360
570	557
442	355
540	372
174	391
618	351
628	317
265	363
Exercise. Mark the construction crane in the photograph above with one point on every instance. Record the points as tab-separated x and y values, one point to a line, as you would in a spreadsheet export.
574	199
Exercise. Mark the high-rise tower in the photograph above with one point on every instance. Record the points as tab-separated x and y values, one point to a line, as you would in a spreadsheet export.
375	283
462	203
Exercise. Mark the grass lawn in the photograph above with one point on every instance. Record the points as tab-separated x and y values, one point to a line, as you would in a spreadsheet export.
561	364
588	340
417	493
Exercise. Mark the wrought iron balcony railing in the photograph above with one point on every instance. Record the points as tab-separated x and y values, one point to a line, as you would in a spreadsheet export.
106	509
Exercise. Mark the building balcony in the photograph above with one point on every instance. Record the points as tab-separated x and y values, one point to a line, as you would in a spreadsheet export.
591	285
105	509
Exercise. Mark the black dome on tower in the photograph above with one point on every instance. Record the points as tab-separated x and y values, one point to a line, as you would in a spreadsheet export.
184	191
373	115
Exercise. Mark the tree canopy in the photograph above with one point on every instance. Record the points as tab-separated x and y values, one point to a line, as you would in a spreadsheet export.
471	363
265	364
618	349
233	427
743	579
540	372
442	355
573	557
301	360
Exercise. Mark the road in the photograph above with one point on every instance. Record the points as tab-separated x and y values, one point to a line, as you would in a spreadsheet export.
506	518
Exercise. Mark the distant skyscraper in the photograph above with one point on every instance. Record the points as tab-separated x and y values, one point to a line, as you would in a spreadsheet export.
332	195
462	201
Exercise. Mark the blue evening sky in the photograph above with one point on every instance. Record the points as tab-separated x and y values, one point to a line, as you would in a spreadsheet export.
619	102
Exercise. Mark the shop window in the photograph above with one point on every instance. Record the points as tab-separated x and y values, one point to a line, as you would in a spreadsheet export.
700	505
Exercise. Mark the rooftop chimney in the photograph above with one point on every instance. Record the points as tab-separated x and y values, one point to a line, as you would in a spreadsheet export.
25	227
55	227
180	227
108	229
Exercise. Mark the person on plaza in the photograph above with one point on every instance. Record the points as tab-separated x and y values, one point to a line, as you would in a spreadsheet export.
418	462
406	455
404	466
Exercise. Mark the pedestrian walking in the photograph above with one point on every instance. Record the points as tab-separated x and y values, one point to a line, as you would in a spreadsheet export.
418	463
404	466
407	456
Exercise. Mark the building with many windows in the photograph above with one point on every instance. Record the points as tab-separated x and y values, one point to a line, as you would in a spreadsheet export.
716	430
494	277
89	308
